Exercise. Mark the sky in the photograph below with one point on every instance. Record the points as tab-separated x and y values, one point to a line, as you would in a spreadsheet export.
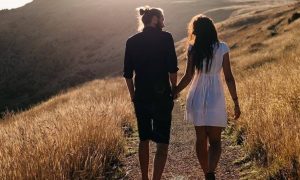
11	4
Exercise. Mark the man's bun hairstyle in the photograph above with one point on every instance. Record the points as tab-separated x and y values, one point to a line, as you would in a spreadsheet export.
143	11
145	15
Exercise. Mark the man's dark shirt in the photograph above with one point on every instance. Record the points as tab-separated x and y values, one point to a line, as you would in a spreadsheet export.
151	55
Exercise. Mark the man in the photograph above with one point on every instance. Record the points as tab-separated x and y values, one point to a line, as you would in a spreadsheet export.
151	56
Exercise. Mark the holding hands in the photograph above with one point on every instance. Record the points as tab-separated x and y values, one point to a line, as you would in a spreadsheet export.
175	92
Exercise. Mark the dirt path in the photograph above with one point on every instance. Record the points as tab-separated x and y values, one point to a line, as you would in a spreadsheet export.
182	162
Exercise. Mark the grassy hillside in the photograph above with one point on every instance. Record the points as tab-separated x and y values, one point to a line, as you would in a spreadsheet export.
80	133
265	57
77	134
270	88
49	46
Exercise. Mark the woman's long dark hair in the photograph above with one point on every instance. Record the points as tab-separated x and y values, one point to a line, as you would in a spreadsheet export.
203	36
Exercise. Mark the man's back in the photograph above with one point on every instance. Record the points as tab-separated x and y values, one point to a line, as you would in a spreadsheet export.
151	55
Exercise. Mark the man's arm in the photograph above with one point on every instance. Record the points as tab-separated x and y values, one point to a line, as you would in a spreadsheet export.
130	87
172	62
128	71
173	79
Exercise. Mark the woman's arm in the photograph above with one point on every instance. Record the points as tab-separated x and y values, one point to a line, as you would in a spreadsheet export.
231	84
186	79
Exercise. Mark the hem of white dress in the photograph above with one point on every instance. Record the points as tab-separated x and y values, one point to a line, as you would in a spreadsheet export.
221	126
199	124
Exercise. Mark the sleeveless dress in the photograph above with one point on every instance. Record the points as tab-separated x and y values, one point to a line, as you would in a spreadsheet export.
205	100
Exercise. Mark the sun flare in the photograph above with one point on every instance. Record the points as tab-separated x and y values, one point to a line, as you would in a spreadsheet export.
11	4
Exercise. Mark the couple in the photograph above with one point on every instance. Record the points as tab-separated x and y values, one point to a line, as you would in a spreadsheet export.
151	56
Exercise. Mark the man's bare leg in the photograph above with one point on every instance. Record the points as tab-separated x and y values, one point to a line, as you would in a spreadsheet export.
160	160
144	158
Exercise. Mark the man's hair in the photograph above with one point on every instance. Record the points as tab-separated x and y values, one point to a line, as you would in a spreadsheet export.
145	15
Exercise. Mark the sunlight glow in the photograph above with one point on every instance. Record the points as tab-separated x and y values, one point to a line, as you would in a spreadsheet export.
11	4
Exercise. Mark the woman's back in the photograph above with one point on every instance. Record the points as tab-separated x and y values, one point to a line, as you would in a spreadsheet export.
217	60
205	101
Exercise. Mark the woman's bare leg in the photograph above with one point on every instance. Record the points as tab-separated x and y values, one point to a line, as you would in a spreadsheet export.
214	152
201	147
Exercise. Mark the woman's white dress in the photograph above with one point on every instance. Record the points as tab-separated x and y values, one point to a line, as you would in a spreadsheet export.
205	100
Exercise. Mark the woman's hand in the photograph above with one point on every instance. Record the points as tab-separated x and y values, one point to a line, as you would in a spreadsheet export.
237	112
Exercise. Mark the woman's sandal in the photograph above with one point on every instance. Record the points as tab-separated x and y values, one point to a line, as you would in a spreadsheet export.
210	176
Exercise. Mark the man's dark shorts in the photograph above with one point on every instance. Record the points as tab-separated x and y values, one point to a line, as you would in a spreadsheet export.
154	119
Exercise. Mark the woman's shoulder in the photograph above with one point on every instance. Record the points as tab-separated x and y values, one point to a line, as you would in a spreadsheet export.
223	47
223	44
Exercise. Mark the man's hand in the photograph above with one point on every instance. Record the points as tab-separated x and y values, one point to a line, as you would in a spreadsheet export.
132	98
174	92
173	80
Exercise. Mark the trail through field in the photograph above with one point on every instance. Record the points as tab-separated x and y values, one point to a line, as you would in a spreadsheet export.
182	162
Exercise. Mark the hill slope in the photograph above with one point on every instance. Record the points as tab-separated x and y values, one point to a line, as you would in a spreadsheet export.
265	55
49	46
83	129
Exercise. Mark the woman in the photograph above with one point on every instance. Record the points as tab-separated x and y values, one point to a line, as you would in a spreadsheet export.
205	106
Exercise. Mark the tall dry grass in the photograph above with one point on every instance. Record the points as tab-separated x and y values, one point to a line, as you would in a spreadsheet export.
271	114
266	67
270	100
77	134
74	135
269	90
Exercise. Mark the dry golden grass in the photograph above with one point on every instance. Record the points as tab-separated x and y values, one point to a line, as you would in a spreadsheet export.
270	98
267	72
65	43
78	133
73	135
269	90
